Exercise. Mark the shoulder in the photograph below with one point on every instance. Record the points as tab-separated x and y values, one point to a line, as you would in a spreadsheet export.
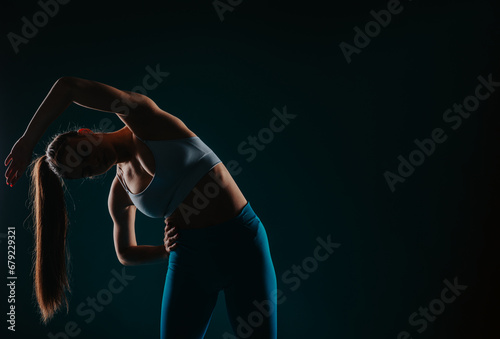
156	124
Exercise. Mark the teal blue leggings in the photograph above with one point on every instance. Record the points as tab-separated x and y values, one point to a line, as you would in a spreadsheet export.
233	257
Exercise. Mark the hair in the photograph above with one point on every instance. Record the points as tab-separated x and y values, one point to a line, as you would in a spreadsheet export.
50	223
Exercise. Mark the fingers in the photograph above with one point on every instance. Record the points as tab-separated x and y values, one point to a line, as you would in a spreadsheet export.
172	247
7	160
169	247
171	236
10	176
172	231
169	240
9	171
9	167
169	225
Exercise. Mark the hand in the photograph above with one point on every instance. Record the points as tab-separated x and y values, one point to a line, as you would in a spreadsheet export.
19	158
171	235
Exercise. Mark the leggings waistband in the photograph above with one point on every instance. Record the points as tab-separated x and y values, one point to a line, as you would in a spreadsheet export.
246	217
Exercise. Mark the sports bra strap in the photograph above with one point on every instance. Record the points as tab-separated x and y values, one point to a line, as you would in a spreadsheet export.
118	175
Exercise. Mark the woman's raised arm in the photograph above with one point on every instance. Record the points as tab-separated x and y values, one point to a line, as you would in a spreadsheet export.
86	93
89	94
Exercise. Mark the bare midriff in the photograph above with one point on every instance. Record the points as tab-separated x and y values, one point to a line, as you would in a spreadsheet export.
215	198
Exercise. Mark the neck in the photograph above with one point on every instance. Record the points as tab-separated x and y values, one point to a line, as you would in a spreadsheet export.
122	145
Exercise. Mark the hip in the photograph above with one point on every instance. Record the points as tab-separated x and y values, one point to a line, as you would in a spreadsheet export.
221	252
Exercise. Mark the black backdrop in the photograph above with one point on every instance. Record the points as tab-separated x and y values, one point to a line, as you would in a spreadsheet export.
232	65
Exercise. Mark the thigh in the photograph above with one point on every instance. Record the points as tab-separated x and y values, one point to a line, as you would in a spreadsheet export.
186	306
251	297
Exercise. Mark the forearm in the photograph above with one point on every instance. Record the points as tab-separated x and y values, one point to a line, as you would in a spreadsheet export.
143	254
56	102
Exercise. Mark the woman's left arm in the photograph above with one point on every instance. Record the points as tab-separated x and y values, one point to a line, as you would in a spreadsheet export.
123	211
146	254
143	254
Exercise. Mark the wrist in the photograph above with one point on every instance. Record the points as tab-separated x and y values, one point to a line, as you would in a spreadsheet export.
163	252
28	141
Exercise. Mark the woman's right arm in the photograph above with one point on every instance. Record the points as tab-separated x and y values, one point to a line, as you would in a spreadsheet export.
132	107
19	157
89	94
56	102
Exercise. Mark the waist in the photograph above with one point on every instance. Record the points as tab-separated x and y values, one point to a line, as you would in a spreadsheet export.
215	199
246	218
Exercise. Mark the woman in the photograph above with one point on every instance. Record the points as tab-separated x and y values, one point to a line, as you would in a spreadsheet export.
213	239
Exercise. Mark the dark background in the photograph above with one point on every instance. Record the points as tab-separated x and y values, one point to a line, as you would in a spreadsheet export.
322	175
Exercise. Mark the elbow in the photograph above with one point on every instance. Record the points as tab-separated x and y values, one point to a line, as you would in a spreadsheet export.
122	258
65	85
64	81
123	261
